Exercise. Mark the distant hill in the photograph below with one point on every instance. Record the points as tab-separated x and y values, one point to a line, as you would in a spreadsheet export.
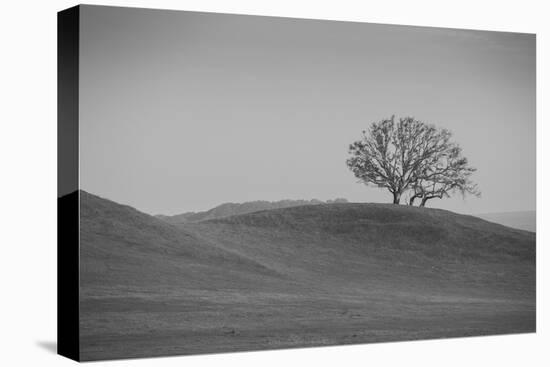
526	220
230	209
298	276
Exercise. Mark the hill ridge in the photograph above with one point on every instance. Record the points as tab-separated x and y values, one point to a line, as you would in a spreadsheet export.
430	231
231	208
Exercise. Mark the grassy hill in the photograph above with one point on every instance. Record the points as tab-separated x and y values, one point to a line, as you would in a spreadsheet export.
120	245
299	276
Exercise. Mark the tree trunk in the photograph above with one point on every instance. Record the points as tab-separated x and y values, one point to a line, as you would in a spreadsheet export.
423	202
396	197
411	200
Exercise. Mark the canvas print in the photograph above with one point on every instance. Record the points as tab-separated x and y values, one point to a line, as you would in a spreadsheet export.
233	182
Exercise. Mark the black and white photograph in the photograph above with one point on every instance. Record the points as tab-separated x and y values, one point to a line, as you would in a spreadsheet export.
322	189
253	183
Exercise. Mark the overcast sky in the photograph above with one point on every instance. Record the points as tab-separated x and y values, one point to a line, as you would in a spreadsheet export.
182	111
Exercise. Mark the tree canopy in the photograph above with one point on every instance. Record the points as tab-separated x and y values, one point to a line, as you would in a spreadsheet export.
411	157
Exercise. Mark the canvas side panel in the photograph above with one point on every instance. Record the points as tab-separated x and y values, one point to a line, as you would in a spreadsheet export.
67	183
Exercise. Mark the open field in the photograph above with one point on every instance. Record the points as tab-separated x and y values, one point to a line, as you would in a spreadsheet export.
294	277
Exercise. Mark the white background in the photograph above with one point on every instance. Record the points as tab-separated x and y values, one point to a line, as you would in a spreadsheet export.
28	182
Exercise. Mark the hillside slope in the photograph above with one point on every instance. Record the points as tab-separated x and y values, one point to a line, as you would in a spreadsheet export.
526	220
122	245
359	243
300	276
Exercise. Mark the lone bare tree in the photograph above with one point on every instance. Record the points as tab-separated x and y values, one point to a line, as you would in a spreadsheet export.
410	155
